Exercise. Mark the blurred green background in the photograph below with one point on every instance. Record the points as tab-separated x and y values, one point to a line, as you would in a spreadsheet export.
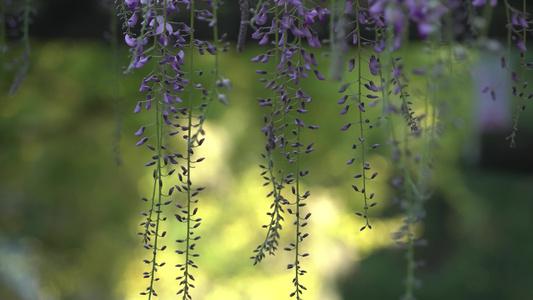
71	178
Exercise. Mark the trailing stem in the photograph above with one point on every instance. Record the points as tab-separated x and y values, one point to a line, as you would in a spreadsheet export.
164	84
356	98
284	123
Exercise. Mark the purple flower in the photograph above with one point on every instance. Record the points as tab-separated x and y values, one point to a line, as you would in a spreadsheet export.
140	131
344	110
264	40
144	87
342	100
137	108
321	12
376	9
345	127
397	71
299	122
261	17
371	86
374	65
518	19
318	75
132	42
132	21
132	4
521	46
426	15
309	17
142	61
379	46
142	141
162	25
394	15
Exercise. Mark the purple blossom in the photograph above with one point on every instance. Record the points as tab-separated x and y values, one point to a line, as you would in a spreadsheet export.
344	110
132	42
397	71
376	9
261	16
394	15
362	17
379	46
321	12
348	8
141	61
132	4
371	86
342	100
521	46
373	65
345	127
137	108
343	88
132	21
264	40
292	64
144	87
351	65
299	122
426	14
142	141
140	131
318	75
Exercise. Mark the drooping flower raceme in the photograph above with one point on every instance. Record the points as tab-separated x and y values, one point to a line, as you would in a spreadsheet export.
359	96
518	26
176	95
286	35
378	76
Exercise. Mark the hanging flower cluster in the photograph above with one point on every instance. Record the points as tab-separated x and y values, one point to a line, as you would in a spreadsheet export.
178	100
286	34
380	78
360	95
518	26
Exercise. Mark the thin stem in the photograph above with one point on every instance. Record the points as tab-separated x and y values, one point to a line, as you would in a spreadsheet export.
189	154
298	234
360	115
158	184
